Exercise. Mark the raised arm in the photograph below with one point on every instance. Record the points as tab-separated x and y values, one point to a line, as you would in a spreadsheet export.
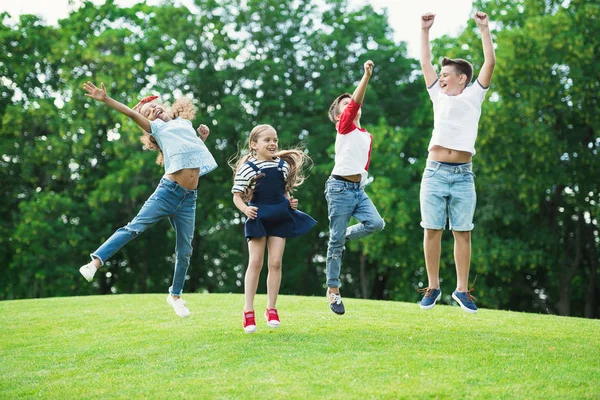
359	93
428	72
100	95
489	56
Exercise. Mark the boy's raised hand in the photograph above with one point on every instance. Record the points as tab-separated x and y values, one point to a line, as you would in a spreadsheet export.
481	19
427	20
94	92
369	68
203	132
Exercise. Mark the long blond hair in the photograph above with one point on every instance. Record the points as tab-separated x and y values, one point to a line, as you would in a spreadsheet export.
182	108
297	159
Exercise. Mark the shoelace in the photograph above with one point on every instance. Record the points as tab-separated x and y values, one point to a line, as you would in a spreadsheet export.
427	291
337	299
472	288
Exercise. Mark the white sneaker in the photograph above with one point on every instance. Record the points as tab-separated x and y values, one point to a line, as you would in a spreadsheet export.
179	306
88	271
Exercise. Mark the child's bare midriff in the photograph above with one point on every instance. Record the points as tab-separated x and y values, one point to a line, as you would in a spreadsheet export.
442	154
186	178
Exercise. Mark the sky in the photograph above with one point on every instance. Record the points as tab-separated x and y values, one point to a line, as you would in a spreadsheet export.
404	15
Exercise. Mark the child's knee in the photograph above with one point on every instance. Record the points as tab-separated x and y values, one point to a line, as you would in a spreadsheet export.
255	262
275	265
377	225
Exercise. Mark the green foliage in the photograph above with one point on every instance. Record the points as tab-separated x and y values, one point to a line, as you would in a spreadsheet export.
73	171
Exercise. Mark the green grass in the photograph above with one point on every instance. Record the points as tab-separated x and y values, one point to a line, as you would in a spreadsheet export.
134	346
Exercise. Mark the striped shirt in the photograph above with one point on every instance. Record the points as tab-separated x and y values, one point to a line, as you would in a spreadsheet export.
246	173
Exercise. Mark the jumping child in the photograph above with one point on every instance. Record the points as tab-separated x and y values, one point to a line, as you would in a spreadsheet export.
263	183
448	184
185	158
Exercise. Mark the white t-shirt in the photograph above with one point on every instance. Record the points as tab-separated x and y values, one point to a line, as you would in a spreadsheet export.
456	118
352	145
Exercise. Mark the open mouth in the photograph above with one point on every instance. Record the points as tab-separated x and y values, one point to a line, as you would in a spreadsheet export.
158	113
443	85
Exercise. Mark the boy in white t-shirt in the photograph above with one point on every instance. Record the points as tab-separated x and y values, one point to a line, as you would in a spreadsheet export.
344	190
448	184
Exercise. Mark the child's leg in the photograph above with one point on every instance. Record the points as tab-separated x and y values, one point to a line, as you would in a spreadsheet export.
434	202
276	246
461	207
183	222
432	247
256	250
367	214
341	202
155	208
462	258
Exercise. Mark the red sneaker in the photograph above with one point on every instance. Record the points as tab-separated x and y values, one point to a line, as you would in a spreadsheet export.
272	317
249	322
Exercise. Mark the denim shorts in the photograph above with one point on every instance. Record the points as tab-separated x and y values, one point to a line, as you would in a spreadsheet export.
448	193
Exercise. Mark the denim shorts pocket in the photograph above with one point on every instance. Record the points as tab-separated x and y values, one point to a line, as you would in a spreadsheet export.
468	176
429	172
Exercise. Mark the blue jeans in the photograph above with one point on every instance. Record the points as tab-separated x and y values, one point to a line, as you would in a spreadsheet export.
168	200
448	192
346	200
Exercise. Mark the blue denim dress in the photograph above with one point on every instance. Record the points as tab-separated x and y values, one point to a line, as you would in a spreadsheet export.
275	216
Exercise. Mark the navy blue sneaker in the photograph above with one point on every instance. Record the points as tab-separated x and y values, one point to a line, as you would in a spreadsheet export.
335	302
465	300
430	297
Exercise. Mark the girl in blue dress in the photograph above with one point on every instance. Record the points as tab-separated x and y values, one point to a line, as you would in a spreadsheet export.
264	180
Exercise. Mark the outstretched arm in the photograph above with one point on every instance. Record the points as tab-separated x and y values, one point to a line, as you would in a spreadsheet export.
428	72
100	95
489	56
359	93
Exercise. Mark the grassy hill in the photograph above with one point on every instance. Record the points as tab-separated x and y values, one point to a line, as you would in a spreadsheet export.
134	346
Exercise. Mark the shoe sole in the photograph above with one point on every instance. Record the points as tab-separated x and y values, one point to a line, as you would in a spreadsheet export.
434	303
467	309
273	325
252	331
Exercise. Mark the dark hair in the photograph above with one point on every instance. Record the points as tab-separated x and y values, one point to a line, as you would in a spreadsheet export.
460	66
333	109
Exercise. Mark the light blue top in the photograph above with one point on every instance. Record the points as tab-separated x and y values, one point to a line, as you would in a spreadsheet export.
181	146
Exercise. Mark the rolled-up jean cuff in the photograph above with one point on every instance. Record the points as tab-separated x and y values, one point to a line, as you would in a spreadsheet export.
433	227
175	294
463	228
93	256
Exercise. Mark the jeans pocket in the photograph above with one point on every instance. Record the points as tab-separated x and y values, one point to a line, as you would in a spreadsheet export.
429	172
468	176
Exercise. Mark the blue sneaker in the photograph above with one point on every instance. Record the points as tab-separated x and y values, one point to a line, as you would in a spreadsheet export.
431	296
465	300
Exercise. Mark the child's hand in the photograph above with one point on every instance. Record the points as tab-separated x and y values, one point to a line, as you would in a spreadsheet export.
251	212
369	68
203	132
293	203
481	19
427	20
94	92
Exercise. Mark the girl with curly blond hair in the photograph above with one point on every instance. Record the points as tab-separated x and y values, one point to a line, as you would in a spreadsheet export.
185	158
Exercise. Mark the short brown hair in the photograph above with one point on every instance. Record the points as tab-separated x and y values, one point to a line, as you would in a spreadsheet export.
460	66
333	109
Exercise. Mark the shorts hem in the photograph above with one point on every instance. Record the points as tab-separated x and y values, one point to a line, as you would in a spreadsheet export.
431	226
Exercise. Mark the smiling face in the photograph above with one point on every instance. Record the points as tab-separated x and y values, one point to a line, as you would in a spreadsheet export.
263	140
154	111
451	82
